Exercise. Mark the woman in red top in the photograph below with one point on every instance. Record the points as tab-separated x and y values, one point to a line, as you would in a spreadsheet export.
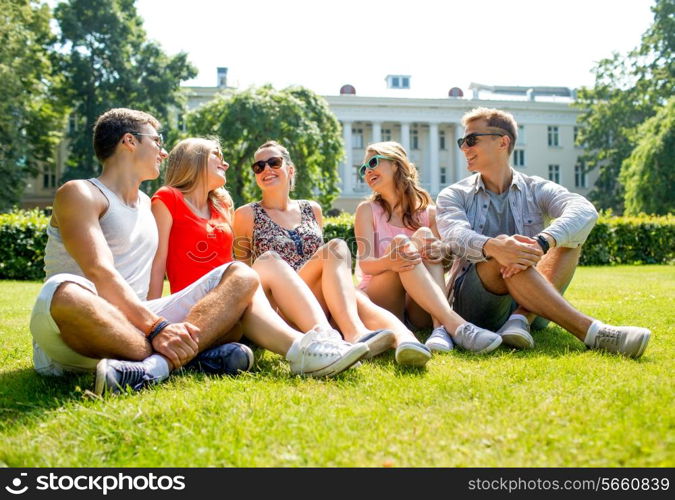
194	216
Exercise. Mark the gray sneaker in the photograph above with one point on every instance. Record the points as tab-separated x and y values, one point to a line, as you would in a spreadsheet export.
475	339
440	340
630	341
321	354
115	376
412	354
516	333
377	341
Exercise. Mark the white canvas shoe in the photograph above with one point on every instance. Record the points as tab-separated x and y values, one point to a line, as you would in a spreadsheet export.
320	354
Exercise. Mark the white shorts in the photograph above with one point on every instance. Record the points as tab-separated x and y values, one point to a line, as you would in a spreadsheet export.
52	356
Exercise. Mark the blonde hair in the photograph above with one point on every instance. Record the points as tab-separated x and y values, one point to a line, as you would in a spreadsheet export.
495	118
188	164
284	154
412	198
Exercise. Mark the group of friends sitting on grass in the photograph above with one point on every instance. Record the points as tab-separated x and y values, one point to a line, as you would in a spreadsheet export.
262	275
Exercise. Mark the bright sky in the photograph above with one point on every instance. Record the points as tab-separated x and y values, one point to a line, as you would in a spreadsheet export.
440	43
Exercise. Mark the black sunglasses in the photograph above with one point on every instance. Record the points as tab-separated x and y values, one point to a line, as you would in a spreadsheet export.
471	139
274	162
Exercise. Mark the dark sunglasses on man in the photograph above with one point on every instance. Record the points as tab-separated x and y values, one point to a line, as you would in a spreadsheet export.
259	166
471	139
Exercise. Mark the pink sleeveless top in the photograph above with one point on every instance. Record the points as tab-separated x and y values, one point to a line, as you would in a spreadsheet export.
383	233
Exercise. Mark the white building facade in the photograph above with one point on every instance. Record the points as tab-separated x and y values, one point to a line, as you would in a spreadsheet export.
429	128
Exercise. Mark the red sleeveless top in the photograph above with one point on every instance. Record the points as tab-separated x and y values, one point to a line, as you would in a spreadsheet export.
196	245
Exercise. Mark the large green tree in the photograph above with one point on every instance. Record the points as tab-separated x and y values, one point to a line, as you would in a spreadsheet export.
30	118
648	174
628	90
295	117
109	62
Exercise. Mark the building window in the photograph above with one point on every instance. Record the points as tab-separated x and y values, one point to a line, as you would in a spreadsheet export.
579	176
398	81
441	139
553	136
48	181
554	173
357	138
414	139
520	141
386	134
576	136
519	158
72	123
443	175
358	184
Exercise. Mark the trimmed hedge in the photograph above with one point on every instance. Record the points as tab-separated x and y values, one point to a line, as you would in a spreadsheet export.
23	236
614	240
642	239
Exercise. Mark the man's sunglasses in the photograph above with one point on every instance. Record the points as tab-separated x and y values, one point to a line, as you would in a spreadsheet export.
274	162
158	138
471	139
372	163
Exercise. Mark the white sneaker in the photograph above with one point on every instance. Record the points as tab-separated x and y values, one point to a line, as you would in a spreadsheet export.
516	333
320	354
630	341
439	340
475	339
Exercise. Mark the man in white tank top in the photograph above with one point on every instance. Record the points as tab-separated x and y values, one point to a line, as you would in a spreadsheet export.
92	314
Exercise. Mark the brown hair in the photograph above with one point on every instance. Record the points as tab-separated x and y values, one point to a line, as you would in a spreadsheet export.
284	154
496	118
412	198
113	124
188	164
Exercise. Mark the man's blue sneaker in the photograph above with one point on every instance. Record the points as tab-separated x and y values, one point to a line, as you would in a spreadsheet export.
113	375
226	359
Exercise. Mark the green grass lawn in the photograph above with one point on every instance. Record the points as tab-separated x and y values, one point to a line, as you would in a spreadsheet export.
557	405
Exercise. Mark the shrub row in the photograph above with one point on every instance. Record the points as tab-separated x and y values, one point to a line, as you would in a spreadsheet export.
642	239
23	236
614	240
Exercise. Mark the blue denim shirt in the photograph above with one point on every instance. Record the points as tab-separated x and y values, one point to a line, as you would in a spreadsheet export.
461	210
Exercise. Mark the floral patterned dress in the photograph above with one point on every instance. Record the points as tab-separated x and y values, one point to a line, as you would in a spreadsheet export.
295	246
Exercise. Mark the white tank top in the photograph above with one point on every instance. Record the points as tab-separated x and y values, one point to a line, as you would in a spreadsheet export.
131	234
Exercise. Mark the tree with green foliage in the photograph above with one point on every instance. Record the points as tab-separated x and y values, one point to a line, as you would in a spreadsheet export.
109	62
648	174
295	117
628	90
30	117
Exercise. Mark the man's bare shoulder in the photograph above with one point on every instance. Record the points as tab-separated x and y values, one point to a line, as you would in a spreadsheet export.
78	199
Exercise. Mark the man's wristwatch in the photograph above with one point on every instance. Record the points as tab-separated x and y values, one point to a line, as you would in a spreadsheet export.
543	243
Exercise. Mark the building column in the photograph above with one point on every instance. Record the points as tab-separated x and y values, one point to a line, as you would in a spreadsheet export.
460	170
377	131
433	158
348	166
405	136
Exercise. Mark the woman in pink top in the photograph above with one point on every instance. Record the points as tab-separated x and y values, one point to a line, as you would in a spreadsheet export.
400	255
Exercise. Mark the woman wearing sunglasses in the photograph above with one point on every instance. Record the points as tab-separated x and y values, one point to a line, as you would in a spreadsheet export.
293	229
194	215
400	255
